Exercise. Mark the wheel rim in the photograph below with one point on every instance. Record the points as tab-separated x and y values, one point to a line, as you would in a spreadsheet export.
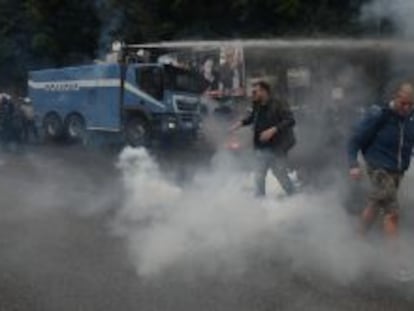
75	128
50	130
52	127
136	134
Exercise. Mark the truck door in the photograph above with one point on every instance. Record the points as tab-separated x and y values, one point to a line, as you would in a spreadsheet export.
150	81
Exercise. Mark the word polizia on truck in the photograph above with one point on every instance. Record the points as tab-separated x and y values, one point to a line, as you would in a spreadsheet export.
126	99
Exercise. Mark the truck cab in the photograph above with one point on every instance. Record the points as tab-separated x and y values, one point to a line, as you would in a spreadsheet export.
174	96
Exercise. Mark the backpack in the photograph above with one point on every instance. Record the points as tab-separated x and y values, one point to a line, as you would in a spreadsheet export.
382	119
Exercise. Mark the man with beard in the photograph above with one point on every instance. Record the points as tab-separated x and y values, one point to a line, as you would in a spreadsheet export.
273	124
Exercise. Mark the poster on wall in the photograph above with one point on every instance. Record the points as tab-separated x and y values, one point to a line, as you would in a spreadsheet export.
222	68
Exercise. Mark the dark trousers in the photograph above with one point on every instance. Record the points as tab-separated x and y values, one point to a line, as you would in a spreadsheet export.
277	162
30	129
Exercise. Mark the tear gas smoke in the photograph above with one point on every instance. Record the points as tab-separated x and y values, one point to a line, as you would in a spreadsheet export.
215	226
111	19
399	12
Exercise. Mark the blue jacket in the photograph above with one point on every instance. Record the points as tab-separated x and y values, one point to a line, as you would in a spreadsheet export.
385	139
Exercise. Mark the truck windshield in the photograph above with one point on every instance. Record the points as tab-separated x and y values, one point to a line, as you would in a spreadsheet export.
150	80
182	80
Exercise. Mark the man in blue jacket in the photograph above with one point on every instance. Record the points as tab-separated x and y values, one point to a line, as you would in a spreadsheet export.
385	137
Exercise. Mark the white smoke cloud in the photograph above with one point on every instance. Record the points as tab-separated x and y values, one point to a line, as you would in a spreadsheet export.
217	226
399	12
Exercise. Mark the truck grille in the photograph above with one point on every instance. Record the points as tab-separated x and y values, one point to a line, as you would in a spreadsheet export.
187	118
183	106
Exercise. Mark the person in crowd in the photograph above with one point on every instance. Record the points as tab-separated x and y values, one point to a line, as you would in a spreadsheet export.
385	138
273	124
29	130
6	120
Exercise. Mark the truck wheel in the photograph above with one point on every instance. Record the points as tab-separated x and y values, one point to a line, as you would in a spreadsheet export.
53	126
75	126
137	132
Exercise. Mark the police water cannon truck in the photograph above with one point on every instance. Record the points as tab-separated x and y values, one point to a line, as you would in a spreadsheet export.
129	97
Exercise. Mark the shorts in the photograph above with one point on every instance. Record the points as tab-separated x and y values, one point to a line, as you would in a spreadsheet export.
384	189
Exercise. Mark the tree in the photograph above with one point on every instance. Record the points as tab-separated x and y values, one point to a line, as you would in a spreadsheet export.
14	40
63	30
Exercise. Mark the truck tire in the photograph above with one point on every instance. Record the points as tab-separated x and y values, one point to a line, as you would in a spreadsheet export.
53	127
75	127
137	132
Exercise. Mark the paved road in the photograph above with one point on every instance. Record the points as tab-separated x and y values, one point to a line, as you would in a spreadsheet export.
58	252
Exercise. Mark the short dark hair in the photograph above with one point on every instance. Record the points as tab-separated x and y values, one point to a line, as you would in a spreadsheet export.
263	85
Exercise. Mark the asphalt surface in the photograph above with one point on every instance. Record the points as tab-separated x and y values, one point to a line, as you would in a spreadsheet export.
58	251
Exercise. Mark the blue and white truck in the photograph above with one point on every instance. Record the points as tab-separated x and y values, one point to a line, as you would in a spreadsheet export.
136	101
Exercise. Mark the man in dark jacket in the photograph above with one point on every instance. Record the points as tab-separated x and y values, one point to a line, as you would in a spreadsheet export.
273	124
385	137
6	119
